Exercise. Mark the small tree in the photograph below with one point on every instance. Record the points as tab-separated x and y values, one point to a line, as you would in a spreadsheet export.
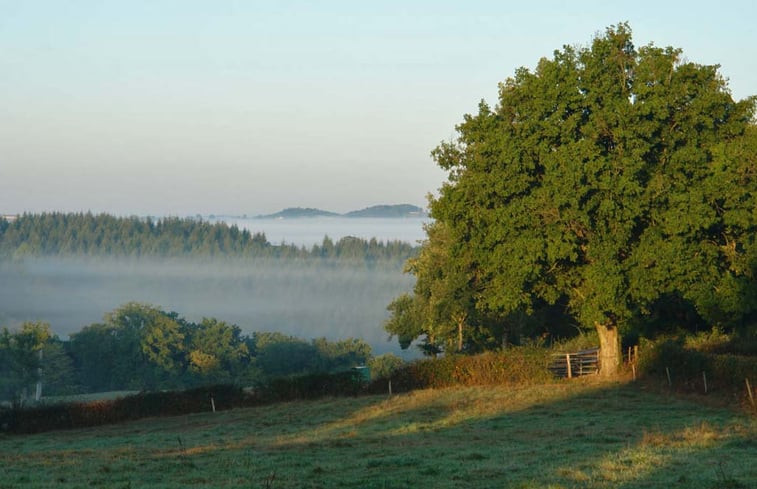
217	351
20	359
383	366
441	307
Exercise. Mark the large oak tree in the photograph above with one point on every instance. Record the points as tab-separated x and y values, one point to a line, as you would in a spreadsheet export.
606	179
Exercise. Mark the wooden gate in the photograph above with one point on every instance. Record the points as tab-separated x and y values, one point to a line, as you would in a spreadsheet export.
569	365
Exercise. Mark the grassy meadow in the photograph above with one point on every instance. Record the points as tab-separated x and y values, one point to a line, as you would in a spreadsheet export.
564	435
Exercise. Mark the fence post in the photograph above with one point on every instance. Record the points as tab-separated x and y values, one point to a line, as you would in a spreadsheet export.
567	361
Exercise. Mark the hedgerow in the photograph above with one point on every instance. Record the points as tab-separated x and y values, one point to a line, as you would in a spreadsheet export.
147	404
725	373
518	365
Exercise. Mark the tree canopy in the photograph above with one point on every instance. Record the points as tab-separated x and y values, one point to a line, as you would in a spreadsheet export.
86	234
607	179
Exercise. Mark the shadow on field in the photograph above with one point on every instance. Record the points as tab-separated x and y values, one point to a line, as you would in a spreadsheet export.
595	436
562	435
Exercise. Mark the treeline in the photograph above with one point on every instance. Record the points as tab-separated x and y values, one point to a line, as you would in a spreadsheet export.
106	235
141	347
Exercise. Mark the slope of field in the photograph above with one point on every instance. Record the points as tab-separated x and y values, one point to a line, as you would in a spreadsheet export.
560	436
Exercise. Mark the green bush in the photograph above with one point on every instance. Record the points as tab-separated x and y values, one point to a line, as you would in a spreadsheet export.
382	366
726	373
311	386
518	365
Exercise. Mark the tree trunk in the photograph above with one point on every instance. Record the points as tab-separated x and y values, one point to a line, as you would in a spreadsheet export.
609	349
38	392
460	320
432	342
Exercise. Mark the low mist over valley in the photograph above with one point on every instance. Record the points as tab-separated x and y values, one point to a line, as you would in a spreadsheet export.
307	299
71	269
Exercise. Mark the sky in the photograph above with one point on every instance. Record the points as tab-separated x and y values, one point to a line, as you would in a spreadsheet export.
247	107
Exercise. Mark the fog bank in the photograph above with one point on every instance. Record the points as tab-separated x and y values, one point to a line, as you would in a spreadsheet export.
307	299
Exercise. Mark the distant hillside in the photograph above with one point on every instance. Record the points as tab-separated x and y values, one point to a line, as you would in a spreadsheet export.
298	212
400	210
389	211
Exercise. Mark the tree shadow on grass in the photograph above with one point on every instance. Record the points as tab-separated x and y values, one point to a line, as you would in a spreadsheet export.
564	435
596	436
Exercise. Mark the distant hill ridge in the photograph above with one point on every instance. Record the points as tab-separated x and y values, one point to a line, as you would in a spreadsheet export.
387	211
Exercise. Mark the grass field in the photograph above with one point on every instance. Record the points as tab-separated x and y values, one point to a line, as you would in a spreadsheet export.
558	436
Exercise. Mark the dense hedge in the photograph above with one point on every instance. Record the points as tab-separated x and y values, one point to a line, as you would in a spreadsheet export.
143	405
515	366
519	365
171	403
726	373
311	386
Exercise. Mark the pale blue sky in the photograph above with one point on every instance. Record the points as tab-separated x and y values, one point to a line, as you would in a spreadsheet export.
233	107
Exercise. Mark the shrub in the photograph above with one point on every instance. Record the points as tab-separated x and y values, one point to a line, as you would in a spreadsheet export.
518	365
725	372
382	366
311	386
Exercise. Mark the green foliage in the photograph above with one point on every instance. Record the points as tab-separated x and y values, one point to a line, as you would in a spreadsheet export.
138	346
604	180
141	347
105	235
405	320
708	341
311	386
340	355
21	359
217	351
442	301
58	375
687	359
383	366
583	341
519	365
277	354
